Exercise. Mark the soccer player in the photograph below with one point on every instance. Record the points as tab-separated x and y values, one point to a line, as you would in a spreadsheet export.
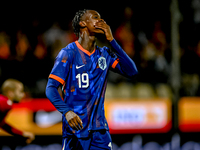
81	68
12	91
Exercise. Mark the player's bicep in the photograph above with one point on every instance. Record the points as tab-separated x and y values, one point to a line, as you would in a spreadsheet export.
115	67
114	63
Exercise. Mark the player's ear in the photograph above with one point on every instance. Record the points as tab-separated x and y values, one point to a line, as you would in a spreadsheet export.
82	24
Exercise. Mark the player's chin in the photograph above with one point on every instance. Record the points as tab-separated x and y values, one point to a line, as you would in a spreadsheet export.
16	101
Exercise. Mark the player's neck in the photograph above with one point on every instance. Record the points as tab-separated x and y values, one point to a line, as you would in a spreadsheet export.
8	96
87	42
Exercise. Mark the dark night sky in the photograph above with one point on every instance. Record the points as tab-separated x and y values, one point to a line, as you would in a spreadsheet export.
21	15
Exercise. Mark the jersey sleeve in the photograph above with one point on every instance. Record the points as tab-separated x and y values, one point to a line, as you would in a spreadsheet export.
61	67
114	59
57	76
121	62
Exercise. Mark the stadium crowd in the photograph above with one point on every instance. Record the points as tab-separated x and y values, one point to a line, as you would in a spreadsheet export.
28	54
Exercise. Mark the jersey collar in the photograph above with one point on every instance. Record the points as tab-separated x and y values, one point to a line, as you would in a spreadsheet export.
84	50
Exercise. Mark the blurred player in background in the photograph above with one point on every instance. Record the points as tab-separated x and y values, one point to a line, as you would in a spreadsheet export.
12	91
81	69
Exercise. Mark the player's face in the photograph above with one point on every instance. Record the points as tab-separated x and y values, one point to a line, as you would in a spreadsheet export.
92	17
19	93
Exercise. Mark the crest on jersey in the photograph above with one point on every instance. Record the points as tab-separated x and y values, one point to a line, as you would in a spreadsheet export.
102	63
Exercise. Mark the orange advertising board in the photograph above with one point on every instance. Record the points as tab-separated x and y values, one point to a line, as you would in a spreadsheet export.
189	114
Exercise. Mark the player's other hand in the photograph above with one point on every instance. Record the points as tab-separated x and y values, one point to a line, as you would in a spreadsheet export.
74	120
29	137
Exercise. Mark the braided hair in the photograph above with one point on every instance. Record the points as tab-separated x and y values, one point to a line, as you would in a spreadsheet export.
76	20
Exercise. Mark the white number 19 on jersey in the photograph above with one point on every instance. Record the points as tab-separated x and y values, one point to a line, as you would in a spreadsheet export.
83	80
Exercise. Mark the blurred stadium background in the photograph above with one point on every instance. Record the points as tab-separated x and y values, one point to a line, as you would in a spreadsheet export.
158	110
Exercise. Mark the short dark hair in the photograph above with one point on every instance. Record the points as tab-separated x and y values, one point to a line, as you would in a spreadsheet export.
76	20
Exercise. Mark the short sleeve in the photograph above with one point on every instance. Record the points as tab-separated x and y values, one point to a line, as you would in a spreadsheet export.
61	67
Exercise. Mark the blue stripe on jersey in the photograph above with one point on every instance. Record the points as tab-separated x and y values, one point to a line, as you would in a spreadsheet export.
67	87
93	63
78	109
82	57
104	88
75	92
91	75
92	89
65	64
73	72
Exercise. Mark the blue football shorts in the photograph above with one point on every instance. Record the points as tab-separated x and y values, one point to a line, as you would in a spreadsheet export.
98	140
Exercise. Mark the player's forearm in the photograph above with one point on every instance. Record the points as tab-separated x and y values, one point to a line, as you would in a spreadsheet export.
127	65
6	127
54	96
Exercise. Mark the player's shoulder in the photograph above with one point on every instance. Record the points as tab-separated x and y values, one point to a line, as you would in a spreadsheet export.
67	51
5	103
105	50
69	48
3	98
